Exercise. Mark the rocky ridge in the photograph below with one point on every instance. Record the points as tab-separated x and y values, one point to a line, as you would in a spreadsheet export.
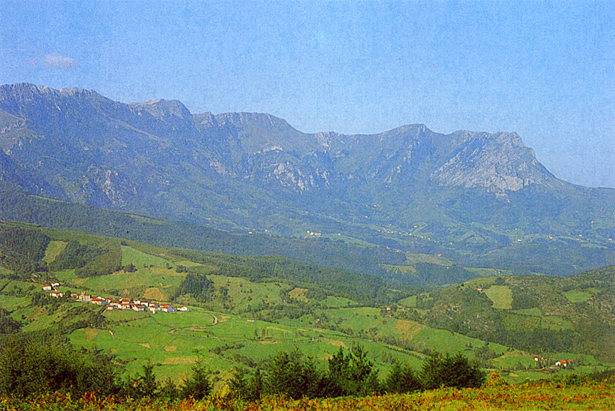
245	171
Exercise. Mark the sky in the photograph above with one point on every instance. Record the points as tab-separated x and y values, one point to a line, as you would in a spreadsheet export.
545	70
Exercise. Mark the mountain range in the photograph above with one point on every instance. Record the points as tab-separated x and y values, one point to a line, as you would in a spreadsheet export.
477	199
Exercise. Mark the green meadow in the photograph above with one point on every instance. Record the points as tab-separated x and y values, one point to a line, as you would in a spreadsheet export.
243	319
501	296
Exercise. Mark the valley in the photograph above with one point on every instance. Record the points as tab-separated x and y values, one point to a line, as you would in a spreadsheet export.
143	238
238	316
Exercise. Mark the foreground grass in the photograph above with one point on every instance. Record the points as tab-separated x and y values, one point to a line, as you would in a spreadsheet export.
548	395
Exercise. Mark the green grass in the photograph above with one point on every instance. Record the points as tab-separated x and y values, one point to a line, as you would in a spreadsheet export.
136	285
53	250
10	302
555	322
515	360
501	295
577	296
408	301
447	341
245	293
336	302
173	341
141	259
65	276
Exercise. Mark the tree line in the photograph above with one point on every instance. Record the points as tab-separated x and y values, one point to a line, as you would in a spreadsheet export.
32	364
351	373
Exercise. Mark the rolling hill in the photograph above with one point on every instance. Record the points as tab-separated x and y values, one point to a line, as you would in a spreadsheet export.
243	309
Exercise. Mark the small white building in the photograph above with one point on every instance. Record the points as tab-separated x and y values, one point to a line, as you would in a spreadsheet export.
167	308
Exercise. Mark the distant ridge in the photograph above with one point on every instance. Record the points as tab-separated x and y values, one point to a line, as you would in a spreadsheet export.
481	199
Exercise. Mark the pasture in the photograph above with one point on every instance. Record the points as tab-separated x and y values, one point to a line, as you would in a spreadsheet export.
501	295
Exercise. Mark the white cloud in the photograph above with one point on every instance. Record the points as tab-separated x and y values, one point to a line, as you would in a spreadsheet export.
58	62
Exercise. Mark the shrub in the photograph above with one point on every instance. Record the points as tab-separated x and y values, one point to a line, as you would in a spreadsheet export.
451	371
36	364
293	375
198	386
402	379
351	374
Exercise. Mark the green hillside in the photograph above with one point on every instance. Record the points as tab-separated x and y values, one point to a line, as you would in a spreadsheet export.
532	313
241	310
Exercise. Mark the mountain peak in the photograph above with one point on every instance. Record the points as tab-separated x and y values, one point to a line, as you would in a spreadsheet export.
164	108
499	162
260	119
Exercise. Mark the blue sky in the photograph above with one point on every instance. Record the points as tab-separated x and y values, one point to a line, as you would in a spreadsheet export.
543	69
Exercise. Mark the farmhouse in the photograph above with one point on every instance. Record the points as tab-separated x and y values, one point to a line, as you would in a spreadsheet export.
563	363
99	300
114	304
167	308
83	297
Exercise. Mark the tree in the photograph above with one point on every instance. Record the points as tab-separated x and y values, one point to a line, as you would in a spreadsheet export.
143	385
351	374
293	375
198	386
402	379
239	384
7	324
245	387
198	285
32	364
168	390
451	371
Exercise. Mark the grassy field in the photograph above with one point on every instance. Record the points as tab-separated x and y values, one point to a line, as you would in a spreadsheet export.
173	341
578	296
256	319
141	259
501	295
53	250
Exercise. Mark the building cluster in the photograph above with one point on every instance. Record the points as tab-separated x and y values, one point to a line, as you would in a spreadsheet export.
564	363
117	303
561	363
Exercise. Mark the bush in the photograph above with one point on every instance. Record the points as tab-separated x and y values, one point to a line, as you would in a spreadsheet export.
402	379
198	386
351	374
293	375
143	385
451	371
36	364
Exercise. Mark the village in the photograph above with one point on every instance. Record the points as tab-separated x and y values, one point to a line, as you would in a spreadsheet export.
111	304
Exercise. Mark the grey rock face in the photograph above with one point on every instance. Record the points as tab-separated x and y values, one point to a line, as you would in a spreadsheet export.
241	168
